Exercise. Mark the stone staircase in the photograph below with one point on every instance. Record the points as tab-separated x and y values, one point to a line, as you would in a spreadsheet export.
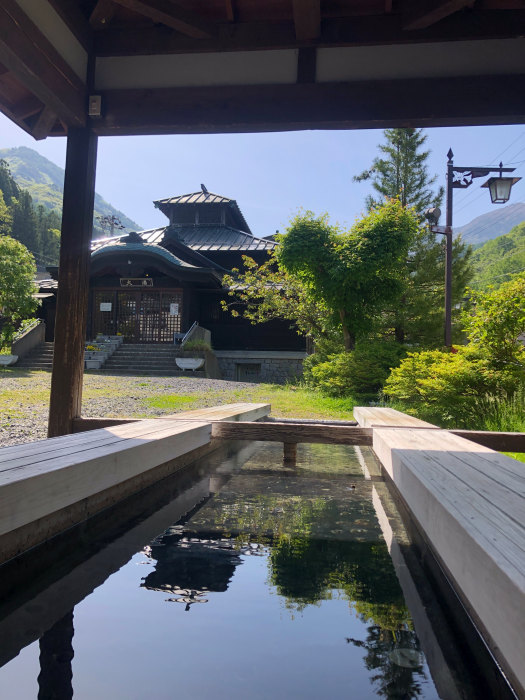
146	359
40	357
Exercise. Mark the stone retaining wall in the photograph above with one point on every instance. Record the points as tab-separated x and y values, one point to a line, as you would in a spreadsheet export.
254	366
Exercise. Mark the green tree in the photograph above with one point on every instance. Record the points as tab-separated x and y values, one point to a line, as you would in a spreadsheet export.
401	171
355	273
48	225
265	292
17	272
497	320
6	220
461	388
24	227
8	185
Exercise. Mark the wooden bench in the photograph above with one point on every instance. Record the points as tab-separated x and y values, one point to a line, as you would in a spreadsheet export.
50	485
469	503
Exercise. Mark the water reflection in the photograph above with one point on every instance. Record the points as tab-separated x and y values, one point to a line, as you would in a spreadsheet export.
282	552
318	529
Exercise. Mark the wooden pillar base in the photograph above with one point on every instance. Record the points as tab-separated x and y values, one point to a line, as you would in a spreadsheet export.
290	454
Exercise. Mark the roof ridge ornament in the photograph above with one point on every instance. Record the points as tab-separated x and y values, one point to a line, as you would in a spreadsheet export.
132	237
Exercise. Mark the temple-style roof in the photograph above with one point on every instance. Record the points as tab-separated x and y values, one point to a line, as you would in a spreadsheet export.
203	197
210	237
134	243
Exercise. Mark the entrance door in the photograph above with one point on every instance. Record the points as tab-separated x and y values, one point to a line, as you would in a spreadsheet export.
140	316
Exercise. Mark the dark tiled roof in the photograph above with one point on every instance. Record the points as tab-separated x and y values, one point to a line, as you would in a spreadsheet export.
143	248
202	197
212	237
196	198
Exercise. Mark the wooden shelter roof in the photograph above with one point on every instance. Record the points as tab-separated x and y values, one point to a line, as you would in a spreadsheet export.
182	66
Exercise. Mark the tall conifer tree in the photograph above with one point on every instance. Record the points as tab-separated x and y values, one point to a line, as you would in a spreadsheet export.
401	171
24	222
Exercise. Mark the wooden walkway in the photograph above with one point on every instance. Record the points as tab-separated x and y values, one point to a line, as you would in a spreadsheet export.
49	485
469	501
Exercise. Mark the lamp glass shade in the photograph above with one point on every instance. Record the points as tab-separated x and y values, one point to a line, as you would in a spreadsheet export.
500	188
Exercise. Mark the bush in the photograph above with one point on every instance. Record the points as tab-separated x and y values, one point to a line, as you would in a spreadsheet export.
198	345
448	387
362	371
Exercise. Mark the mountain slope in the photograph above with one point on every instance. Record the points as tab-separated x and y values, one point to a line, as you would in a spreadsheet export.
45	181
493	224
499	258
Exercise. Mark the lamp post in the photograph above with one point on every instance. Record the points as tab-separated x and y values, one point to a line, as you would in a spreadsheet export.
461	177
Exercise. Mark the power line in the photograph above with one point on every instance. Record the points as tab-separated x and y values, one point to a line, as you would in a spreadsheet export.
506	149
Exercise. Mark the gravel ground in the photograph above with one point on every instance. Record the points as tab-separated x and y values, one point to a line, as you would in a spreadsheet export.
24	399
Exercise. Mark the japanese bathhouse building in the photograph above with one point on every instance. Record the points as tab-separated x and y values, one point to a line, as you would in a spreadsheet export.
150	285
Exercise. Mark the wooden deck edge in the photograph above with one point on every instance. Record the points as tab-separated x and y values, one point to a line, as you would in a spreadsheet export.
38	531
228	412
480	573
379	416
36	503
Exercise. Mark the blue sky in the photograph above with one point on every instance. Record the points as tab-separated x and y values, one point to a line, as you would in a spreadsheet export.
273	175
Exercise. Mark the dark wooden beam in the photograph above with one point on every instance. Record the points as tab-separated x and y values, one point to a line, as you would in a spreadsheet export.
26	52
307	19
357	31
81	425
502	442
373	104
102	14
167	13
434	11
288	433
73	281
306	65
43	125
71	14
27	107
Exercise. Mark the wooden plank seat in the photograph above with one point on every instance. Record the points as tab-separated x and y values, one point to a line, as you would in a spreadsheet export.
375	416
469	502
49	485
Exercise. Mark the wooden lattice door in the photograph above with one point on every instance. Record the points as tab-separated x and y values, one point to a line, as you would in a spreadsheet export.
140	316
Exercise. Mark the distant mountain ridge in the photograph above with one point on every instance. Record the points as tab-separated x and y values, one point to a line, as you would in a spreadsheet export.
493	224
45	182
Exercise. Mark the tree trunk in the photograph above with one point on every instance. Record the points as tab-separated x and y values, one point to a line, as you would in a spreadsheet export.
348	337
399	329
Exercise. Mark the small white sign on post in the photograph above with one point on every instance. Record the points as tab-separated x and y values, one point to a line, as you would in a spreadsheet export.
174	309
105	306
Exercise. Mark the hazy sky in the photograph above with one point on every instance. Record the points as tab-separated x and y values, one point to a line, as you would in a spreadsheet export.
273	175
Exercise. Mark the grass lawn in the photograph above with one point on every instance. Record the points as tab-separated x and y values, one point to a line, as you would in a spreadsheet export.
26	393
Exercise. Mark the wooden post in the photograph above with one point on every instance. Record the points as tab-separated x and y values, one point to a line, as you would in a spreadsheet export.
290	454
56	654
73	281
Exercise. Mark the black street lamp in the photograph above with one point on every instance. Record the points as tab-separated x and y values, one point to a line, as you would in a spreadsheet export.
461	178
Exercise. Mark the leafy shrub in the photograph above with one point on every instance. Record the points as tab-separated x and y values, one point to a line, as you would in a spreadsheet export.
497	320
447	387
362	371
